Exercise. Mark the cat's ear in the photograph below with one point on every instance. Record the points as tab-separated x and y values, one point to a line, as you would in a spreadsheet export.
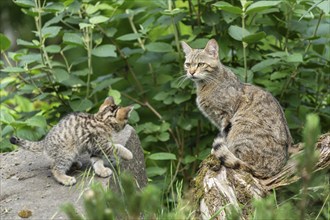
124	112
108	101
212	48
186	48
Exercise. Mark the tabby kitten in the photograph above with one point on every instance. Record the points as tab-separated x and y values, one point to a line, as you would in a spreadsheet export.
253	132
82	132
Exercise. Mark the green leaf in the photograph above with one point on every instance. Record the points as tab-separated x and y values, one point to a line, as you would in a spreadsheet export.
260	6
4	42
278	75
324	6
161	96
134	117
56	19
51	31
162	156
165	136
84	25
53	49
13	69
26	43
6	118
107	50
80	105
7	130
104	84
173	11
128	37
211	18
264	64
159	47
116	96
31	58
225	6
98	19
61	75
30	134
182	97
237	32
189	159
295	58
165	126
73	81
73	39
199	43
252	38
25	3
37	121
155	171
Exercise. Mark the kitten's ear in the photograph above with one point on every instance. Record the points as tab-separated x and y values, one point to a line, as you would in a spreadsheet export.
186	48
123	113
212	48
108	101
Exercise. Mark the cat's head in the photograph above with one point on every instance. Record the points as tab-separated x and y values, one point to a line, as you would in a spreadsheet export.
200	64
114	115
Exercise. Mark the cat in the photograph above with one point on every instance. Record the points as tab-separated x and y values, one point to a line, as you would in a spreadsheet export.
253	132
82	132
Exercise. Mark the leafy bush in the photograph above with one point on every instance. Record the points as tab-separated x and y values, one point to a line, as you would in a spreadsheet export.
83	50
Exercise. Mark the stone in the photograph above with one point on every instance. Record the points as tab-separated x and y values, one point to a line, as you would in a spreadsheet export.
28	187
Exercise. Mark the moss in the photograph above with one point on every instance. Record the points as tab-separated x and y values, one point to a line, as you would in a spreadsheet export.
211	164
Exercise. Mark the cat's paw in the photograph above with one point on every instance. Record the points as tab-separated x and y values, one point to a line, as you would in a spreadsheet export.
103	172
68	181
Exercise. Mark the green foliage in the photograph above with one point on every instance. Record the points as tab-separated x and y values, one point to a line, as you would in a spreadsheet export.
130	203
79	52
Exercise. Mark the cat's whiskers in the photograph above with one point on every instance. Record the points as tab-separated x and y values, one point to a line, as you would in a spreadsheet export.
181	79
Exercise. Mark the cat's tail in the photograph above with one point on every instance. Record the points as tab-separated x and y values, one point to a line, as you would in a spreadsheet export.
122	151
34	146
227	158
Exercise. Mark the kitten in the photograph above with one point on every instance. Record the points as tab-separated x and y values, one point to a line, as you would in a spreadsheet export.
253	132
82	132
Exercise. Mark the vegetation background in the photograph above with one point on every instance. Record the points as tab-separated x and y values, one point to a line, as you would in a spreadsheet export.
59	56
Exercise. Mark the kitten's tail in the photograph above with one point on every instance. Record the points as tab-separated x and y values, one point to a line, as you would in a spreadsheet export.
227	158
34	146
122	151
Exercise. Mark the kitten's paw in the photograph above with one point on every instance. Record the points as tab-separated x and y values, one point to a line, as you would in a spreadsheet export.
68	181
128	156
103	172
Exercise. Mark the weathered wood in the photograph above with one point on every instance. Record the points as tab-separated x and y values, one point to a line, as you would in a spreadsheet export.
217	188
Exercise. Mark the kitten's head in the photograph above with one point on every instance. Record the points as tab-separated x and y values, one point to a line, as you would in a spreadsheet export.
114	115
200	64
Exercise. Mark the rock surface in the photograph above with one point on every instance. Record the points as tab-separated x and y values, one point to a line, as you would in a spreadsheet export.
28	187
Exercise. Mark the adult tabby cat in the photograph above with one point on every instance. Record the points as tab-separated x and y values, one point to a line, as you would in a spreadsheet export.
80	132
253	132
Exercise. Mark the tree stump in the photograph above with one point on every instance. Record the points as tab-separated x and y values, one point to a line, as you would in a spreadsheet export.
216	187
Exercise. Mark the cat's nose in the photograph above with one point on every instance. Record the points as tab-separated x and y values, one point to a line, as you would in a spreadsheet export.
192	71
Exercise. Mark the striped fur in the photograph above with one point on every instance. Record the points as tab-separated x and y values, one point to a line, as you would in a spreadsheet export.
81	132
253	132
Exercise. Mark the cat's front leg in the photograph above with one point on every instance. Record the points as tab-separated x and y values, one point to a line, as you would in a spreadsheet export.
122	152
99	167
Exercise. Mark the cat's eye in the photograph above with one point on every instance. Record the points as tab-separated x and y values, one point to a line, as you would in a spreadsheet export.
187	64
200	64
